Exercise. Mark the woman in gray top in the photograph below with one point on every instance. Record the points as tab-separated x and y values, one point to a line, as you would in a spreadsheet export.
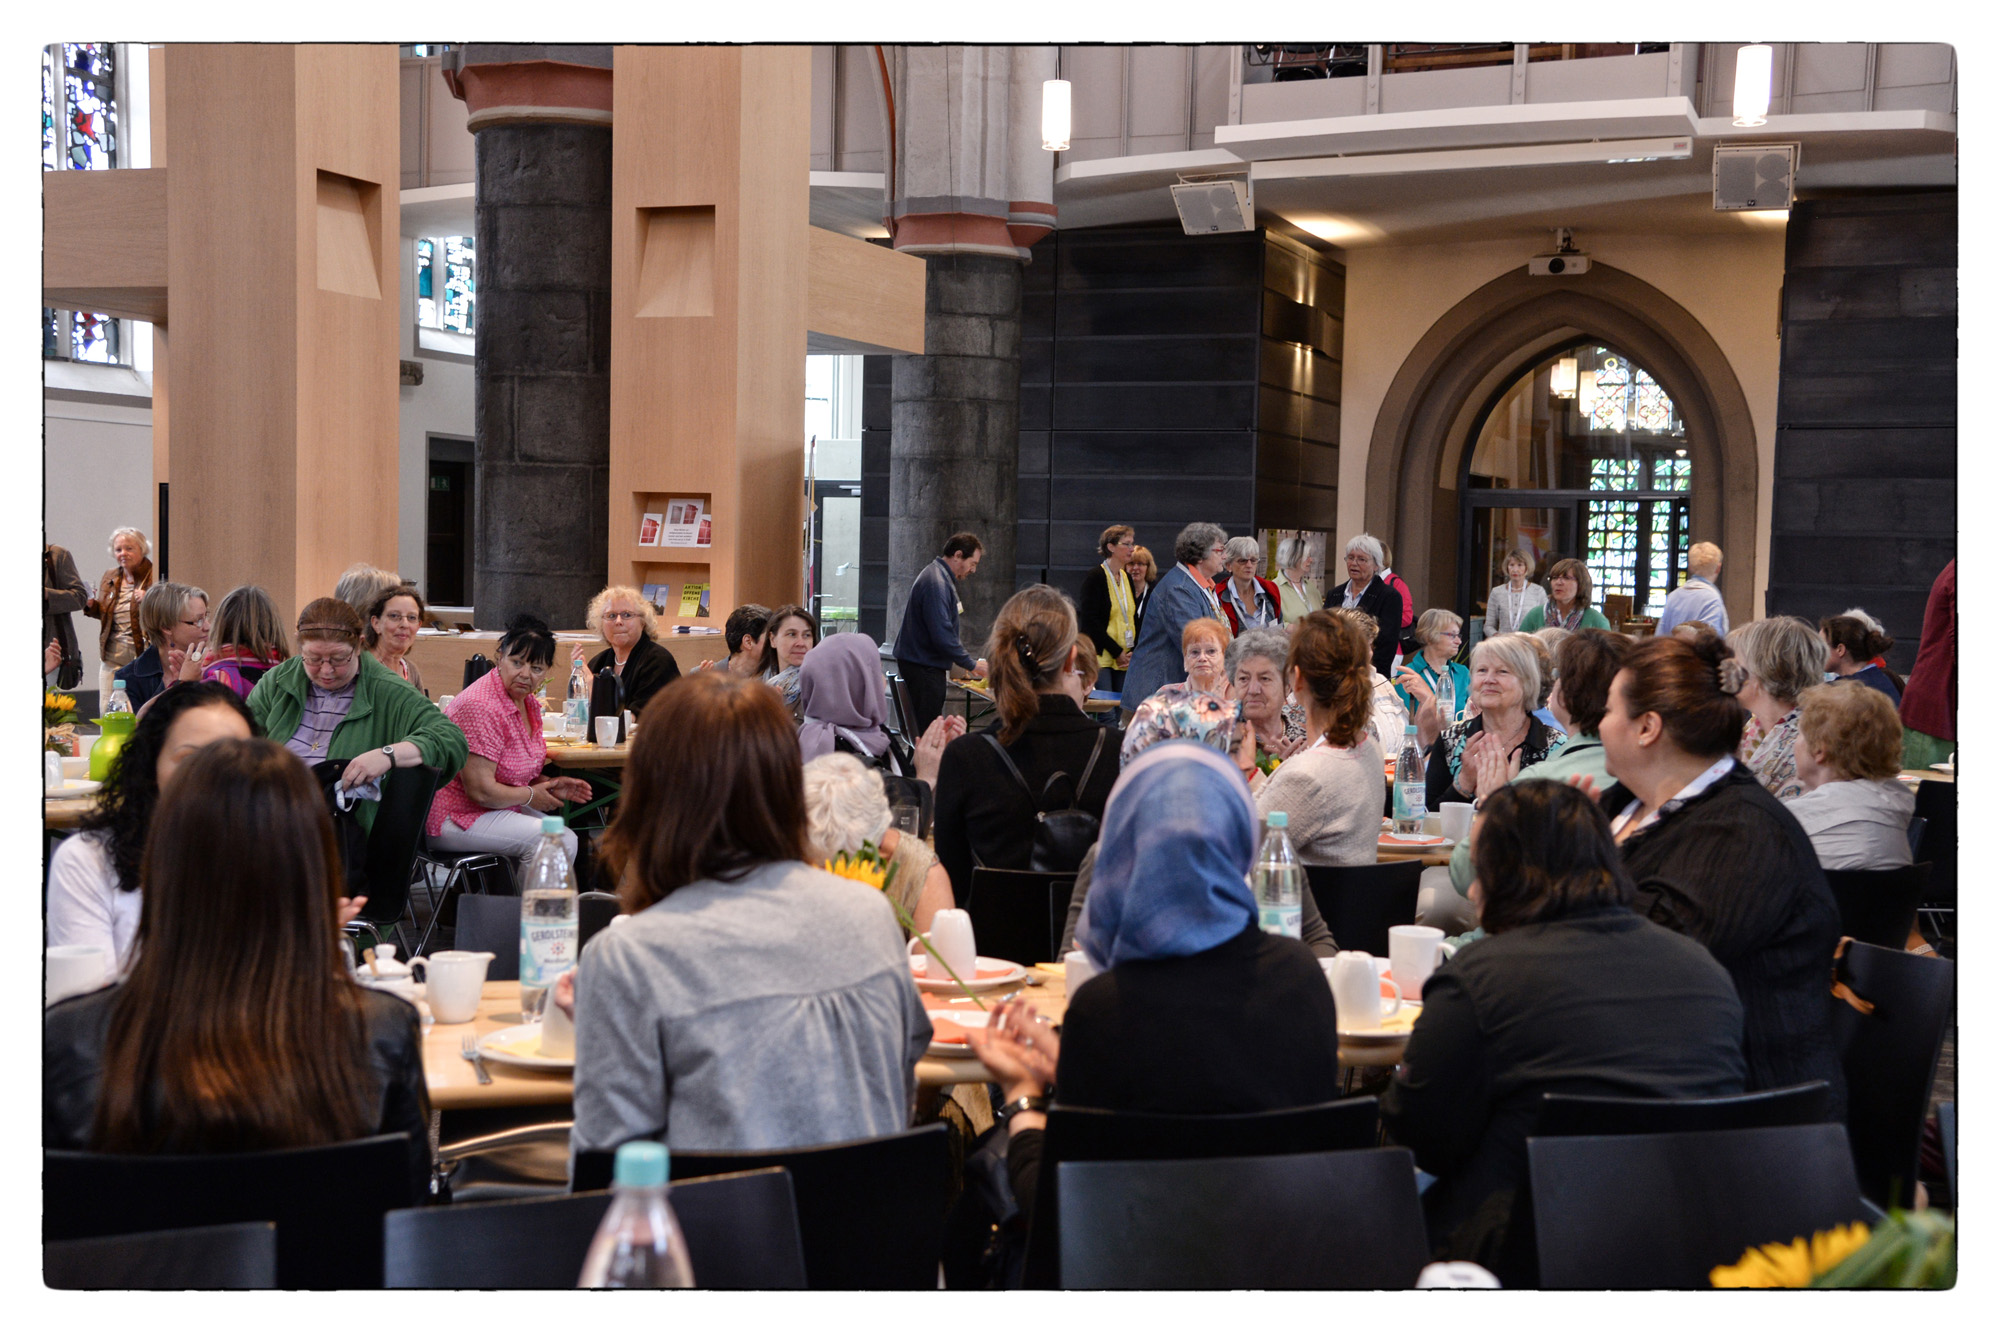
751	1001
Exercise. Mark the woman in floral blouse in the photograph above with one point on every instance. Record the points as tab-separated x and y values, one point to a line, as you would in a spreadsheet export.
1785	657
1200	708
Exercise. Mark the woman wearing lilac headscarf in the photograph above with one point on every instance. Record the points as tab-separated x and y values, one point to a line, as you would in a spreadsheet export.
1194	1010
843	698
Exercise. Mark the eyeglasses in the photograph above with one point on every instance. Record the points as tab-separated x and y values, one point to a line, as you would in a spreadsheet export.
620	615
336	661
196	623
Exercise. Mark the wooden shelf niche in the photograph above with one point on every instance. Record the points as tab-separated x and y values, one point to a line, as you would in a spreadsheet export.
675	566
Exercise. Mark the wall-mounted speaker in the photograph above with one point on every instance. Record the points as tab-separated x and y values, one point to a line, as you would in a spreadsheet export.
1215	206
1760	176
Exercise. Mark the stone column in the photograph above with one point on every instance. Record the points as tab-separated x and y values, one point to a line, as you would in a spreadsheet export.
542	357
970	188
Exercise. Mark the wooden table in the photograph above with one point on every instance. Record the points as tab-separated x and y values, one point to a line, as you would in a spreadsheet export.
442	657
589	755
1907	775
66	813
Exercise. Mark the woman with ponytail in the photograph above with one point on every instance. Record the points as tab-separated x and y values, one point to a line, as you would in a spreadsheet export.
985	813
1855	646
1331	791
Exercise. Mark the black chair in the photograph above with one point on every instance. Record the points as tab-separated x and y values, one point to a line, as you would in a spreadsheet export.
237	1256
1880	906
1635	1211
871	1212
327	1202
912	791
475	667
492	921
906	712
453	876
394	843
1335	1220
742	1234
1916	834
1360	903
1890	1058
1019	914
1947	1114
1087	1134
1937	806
1570	1115
594	911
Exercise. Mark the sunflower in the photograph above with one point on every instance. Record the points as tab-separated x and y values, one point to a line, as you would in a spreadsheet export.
1793	1265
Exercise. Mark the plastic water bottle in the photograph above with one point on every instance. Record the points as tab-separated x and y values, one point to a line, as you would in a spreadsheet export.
1409	784
1275	879
638	1244
548	921
576	708
1447	697
119	702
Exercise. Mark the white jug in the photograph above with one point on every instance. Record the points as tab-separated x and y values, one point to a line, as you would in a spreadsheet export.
1357	992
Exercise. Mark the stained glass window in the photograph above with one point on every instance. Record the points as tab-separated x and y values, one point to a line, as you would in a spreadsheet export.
94	338
80	131
1611	546
90	125
1619	397
1667	551
426	300
447	294
1672	474
49	113
1614	474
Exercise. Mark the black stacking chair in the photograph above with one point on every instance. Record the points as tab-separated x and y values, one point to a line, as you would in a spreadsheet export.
1639	1211
871	1212
1360	903
1087	1134
1947	1114
1019	914
1334	1220
594	911
1880	906
1569	1115
394	845
1937	806
236	1256
741	1229
492	921
327	1202
1890	1058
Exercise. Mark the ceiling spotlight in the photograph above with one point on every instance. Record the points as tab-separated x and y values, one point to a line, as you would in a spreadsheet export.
1753	85
1055	115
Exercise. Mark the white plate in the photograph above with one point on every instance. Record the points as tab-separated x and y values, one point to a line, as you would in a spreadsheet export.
1946	768
71	787
489	1046
1414	842
973	1018
1013	975
1374	1036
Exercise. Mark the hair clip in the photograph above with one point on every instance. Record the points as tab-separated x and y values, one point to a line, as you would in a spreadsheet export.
1026	651
1730	676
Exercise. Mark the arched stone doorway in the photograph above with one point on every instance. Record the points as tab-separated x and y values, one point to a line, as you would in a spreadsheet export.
1459	368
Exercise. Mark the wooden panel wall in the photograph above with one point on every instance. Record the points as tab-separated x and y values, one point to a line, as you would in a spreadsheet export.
1864	497
1298	399
705	394
285	438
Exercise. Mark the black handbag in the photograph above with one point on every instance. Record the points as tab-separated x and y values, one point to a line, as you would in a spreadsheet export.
1062	835
475	667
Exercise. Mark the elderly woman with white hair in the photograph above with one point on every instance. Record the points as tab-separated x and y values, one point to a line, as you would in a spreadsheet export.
1785	657
623	618
846	806
1248	598
362	585
121	638
1506	686
1365	591
1255	663
1298	583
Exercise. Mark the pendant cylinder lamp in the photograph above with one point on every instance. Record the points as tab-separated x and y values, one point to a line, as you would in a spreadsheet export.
1562	378
1055	115
1753	85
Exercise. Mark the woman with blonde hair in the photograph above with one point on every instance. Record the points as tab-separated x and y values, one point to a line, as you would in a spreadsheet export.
247	639
1510	600
624	620
1043	753
1507	686
1569	601
846	806
121	638
1144	573
1784	657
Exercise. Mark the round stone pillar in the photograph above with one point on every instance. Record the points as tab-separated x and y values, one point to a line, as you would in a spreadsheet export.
541	117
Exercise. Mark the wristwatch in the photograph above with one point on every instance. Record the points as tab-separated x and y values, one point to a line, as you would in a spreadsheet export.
389	753
1007	1112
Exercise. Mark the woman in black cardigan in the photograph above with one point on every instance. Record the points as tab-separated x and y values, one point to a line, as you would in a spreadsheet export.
1718	858
642	663
1107	609
985	814
1365	591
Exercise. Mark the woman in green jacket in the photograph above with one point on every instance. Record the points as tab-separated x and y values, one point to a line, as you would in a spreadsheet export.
335	701
1569	601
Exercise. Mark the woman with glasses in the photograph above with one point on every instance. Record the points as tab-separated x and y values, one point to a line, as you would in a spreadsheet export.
497	801
334	701
175	620
643	665
1249	599
1438	637
394	618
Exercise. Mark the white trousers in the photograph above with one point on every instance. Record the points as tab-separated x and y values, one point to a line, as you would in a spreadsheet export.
515	833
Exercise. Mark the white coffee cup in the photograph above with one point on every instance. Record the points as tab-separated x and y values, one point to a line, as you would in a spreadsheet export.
452	979
1076	971
52	770
1455	820
950	936
1357	991
75	969
1414	953
630	723
607	732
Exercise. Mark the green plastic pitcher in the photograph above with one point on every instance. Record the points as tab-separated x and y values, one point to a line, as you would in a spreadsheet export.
117	729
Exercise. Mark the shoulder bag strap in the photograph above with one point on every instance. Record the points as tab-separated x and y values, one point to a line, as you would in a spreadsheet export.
1007	760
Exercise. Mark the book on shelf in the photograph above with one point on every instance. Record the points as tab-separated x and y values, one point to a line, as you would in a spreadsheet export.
684	523
649	529
657	594
694	599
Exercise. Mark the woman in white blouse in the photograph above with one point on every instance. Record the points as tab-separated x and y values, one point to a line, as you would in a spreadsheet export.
1509	603
1849	751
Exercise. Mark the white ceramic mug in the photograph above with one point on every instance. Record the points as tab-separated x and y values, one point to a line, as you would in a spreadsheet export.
951	936
1455	820
630	723
75	969
52	770
1076	971
607	732
452	979
1357	991
1414	953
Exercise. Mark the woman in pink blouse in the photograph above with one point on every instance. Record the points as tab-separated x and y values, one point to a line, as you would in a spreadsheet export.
497	801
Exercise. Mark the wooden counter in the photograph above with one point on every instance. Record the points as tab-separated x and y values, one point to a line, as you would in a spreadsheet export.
442	657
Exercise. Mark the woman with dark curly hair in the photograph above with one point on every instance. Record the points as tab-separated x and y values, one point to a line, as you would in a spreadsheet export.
94	876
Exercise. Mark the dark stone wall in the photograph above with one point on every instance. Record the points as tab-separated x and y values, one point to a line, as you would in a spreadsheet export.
875	375
1864	495
955	418
542	366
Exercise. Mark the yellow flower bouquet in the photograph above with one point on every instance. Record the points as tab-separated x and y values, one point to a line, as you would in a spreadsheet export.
868	866
1908	1250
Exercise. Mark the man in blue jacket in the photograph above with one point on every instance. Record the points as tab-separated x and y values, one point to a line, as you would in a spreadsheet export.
927	645
1183	593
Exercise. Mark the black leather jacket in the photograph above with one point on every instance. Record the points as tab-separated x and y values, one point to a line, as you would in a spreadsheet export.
73	1036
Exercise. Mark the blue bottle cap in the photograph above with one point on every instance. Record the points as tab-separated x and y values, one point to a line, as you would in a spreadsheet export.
1276	819
640	1165
117	684
551	824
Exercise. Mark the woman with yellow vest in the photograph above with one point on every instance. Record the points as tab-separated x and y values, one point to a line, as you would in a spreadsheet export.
1105	611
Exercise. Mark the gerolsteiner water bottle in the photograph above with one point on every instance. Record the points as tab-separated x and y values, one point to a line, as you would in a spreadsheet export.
1275	880
548	920
1409	802
638	1244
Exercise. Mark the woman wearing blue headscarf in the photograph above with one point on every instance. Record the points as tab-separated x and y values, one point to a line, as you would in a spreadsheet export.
1194	1010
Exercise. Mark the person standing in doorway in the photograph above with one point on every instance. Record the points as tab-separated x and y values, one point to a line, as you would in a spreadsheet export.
927	645
1698	598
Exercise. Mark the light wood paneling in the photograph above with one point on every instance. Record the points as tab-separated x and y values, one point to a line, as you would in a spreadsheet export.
104	241
710	165
863	298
